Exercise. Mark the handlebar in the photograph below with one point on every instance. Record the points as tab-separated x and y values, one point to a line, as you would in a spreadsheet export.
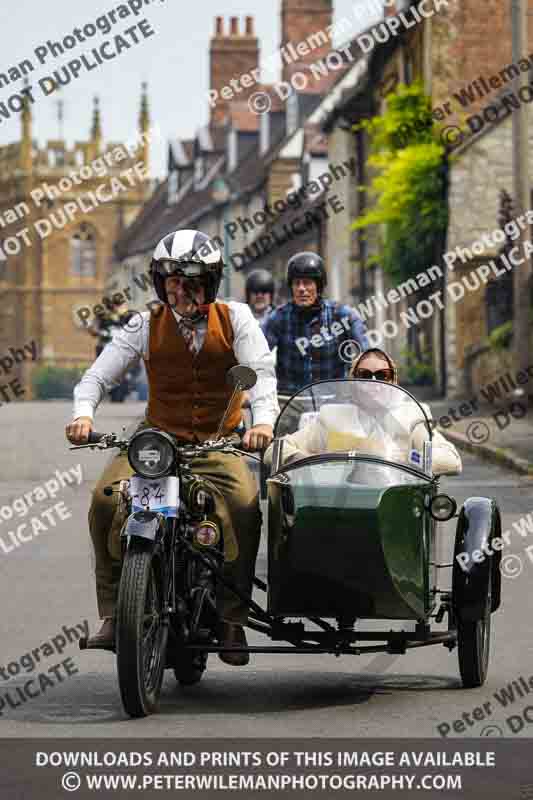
95	437
108	440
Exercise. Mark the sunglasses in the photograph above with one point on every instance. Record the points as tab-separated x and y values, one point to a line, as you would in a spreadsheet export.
379	375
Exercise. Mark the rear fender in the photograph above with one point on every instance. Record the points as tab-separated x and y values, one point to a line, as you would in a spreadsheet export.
143	527
478	525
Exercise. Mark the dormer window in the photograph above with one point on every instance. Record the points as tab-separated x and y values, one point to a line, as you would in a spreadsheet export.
292	113
173	187
264	133
232	150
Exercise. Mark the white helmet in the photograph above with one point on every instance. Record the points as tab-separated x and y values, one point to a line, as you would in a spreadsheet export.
191	254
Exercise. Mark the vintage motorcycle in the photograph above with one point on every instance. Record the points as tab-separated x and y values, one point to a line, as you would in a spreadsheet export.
351	537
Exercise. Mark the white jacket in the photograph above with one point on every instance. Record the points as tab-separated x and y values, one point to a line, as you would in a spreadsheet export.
342	426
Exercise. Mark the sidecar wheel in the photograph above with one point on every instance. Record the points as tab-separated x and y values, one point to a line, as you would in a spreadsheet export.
141	636
191	668
473	646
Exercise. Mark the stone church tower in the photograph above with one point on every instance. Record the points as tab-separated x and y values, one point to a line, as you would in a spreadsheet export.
60	213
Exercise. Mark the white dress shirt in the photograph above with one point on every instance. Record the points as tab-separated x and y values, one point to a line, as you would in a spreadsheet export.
132	341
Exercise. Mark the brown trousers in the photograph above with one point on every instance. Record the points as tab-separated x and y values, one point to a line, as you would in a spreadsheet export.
237	511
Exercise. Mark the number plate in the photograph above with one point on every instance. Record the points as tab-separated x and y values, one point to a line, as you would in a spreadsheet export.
161	494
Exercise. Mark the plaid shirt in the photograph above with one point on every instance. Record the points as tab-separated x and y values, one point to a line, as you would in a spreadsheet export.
309	349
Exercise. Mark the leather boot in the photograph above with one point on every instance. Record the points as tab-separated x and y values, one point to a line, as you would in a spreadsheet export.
233	636
105	638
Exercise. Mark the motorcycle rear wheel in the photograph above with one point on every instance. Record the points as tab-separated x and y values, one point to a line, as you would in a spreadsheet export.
141	636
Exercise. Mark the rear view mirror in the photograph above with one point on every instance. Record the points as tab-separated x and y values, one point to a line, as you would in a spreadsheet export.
241	377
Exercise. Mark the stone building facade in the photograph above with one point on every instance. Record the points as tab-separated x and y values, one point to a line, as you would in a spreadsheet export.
463	56
481	170
471	70
60	212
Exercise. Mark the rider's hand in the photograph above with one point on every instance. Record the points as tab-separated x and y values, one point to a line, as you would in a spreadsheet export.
79	429
258	437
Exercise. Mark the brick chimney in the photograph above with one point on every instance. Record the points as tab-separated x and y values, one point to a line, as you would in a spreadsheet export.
232	55
304	21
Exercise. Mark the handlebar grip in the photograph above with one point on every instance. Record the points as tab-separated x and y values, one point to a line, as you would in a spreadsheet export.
95	437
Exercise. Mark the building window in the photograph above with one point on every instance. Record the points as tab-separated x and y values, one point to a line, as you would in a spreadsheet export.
173	187
83	252
499	300
198	170
232	150
264	133
292	113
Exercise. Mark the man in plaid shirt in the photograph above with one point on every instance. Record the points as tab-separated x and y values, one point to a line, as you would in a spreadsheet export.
316	338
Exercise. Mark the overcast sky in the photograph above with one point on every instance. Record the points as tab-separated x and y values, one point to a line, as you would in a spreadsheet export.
174	62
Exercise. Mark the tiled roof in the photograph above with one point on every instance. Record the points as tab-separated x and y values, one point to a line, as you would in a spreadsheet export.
279	227
157	218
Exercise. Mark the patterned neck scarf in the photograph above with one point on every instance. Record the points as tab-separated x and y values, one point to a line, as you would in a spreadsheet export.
187	330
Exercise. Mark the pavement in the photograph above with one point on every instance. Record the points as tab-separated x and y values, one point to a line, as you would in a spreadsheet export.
500	433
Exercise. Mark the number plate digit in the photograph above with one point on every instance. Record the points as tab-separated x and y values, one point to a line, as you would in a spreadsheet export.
160	495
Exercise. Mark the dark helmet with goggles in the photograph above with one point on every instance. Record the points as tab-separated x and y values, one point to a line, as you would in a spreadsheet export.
190	254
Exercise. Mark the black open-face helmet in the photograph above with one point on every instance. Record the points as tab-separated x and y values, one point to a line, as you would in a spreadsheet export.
260	280
191	254
307	265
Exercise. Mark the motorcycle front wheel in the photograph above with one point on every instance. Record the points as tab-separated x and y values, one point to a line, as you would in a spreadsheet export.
141	632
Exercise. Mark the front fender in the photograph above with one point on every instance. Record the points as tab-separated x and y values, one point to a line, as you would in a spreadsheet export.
142	525
478	525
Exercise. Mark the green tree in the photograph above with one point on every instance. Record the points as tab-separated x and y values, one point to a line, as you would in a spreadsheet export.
409	187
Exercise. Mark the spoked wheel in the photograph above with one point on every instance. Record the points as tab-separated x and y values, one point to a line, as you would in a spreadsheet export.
473	645
141	633
191	667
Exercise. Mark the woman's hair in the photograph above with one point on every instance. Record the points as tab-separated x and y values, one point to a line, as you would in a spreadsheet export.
356	363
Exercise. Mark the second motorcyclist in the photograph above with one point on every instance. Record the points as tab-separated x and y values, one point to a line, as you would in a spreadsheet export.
316	339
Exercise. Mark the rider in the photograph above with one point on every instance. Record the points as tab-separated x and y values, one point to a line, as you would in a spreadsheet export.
349	422
188	344
114	315
260	293
316	338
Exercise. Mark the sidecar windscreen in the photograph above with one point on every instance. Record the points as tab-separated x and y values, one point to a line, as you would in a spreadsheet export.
367	417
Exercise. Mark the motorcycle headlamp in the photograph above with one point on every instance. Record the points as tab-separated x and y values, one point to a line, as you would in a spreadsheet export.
151	453
442	507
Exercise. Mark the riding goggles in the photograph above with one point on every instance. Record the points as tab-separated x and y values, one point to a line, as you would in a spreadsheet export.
187	269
